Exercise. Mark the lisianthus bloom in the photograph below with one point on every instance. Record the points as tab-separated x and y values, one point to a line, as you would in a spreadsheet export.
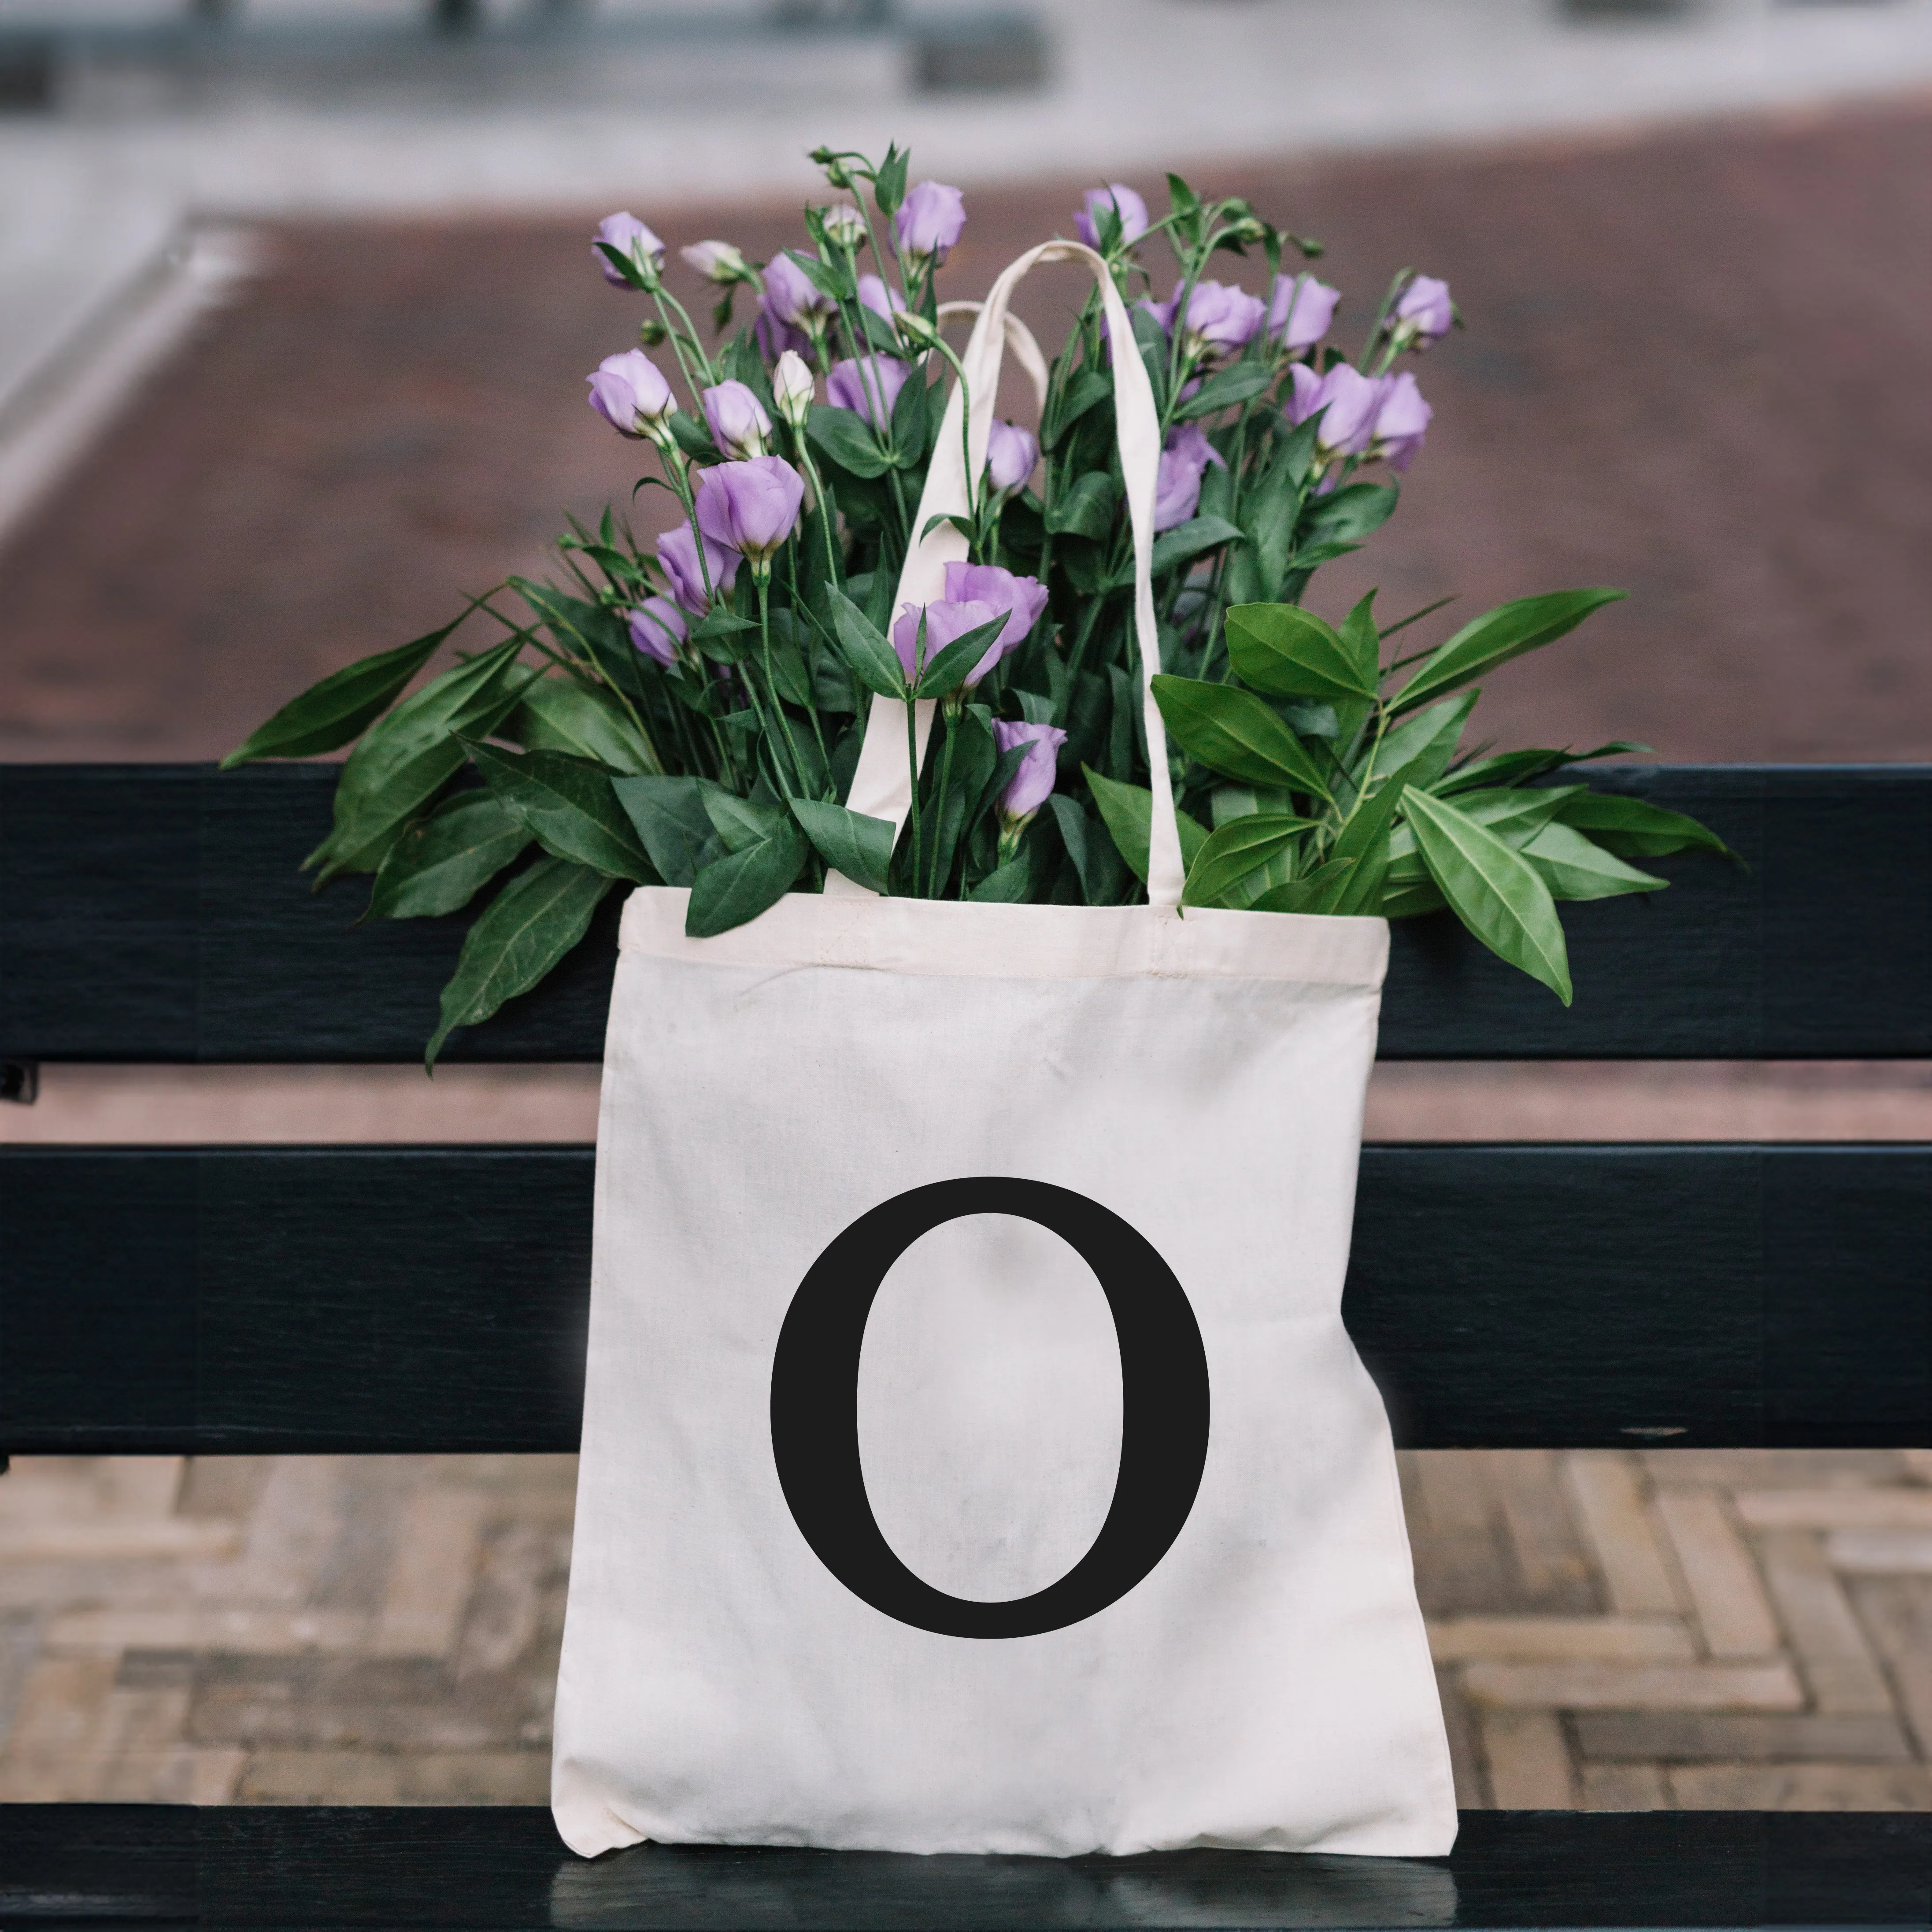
1011	454
1177	489
1352	402
930	221
1120	200
947	620
869	385
630	393
751	506
1023	599
1032	785
677	553
791	387
718	262
1222	319
632	238
792	295
843	224
774	337
1300	310
738	421
1423	313
874	295
1401	423
657	628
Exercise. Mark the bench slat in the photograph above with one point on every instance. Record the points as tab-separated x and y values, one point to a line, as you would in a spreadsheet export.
346	1299
153	913
271	1867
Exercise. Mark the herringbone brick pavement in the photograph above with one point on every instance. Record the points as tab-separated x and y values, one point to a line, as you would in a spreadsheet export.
1615	1630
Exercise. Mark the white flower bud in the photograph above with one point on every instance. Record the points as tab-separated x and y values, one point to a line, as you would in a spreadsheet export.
844	226
792	388
915	330
717	262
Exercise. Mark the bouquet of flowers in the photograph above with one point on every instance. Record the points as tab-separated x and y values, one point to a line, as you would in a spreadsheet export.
691	715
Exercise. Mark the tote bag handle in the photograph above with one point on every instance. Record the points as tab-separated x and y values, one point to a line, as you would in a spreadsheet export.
882	784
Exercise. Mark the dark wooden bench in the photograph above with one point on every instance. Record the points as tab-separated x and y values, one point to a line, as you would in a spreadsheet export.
205	1301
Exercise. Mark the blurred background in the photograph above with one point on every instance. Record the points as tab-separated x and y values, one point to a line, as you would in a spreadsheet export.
295	303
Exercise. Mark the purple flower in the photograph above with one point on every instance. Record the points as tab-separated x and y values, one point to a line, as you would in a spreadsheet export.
1032	785
791	295
751	506
930	221
947	620
1300	311
629	237
1023	599
875	295
1118	196
774	337
1222	319
630	393
677	553
1177	489
1011	454
869	385
738	421
1423	315
1401	422
1351	400
657	628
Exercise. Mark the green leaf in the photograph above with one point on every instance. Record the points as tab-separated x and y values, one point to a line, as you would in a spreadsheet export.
558	714
1428	741
1103	875
671	819
1069	404
328	714
947	670
1086	510
848	841
1411	901
1234	732
910	411
844	437
1127	812
693	437
406	758
739	886
1634	829
888	183
1239	384
568	806
874	662
1514	814
522	933
828	278
742	823
440	862
1317	892
1236	852
1187	541
1347	515
1498	895
1287	652
1573	867
1009	885
1498	635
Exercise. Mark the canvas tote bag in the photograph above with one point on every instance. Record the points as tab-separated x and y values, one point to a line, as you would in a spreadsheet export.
973	1457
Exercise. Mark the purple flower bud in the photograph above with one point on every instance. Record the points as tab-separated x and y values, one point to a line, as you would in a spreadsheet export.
718	262
790	294
629	236
1032	785
1222	319
869	385
774	337
738	421
947	620
1023	599
930	221
751	506
1424	314
1177	489
677	553
1351	400
1401	422
1301	310
657	628
1132	211
1011	454
630	393
881	300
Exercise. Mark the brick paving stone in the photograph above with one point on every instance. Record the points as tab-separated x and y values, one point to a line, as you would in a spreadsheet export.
1725	1591
1608	1492
1898	1612
1624	1787
1802	1787
1837	1660
1529	1762
1750	1736
1544	1640
1886	1551
1838	1508
1616	1687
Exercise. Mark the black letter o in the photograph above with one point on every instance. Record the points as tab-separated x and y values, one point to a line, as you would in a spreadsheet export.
1163	1408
